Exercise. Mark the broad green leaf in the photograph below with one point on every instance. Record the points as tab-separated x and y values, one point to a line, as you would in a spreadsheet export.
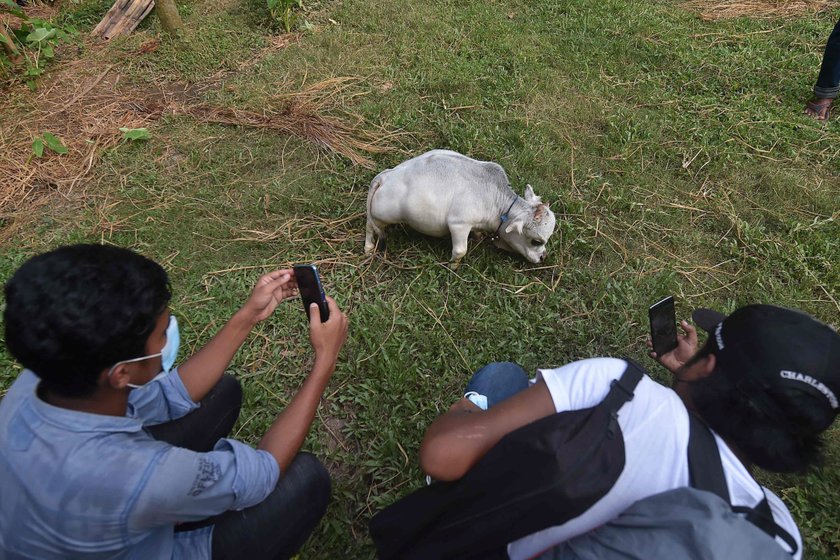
135	133
38	147
54	144
47	52
40	34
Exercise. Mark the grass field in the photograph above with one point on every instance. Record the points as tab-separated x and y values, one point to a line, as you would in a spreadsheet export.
672	150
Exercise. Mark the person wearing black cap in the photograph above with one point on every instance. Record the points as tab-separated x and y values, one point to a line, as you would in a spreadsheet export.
766	383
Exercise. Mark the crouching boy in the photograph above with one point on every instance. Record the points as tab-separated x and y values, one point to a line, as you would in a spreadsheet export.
108	450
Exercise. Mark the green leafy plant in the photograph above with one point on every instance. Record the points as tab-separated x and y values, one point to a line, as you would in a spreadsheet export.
28	43
47	140
284	12
135	133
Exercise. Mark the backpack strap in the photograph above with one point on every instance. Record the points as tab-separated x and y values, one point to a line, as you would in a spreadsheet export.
705	472
762	517
621	389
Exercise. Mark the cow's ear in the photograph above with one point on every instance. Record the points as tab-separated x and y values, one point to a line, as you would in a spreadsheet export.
540	211
515	226
529	193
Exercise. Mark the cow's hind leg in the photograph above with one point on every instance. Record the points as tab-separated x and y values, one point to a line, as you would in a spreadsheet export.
460	235
372	229
374	236
370	237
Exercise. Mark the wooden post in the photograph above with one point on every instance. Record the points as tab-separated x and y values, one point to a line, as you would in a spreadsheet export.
167	11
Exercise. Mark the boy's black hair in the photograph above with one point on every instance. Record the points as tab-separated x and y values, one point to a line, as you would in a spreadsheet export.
77	310
792	445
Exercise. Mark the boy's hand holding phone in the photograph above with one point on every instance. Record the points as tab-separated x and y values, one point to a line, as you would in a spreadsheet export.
271	289
670	349
327	324
311	291
327	337
686	348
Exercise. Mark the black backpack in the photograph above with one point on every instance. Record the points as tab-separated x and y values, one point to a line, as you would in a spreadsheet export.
536	477
696	522
706	473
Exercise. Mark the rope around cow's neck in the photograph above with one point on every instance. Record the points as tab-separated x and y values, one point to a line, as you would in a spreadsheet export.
504	218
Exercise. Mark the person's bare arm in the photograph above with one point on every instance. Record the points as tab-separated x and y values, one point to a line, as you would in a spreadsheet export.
286	435
202	370
458	439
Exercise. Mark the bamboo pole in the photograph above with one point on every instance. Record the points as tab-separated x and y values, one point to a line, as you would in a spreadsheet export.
120	27
146	12
107	22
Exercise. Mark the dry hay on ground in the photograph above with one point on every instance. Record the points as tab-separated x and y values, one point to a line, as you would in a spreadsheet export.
728	9
85	107
85	111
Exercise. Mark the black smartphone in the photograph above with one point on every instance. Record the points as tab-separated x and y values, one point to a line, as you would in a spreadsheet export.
663	325
311	290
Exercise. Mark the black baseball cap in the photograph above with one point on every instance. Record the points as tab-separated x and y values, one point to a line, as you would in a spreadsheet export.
769	346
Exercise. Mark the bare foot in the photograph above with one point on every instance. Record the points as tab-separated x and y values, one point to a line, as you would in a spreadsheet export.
819	108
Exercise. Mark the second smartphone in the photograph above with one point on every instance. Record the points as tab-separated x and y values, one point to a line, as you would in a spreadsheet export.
663	325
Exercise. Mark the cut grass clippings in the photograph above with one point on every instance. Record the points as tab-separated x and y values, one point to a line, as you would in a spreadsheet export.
728	9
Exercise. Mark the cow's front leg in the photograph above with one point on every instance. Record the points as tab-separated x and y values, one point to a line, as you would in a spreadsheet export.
459	234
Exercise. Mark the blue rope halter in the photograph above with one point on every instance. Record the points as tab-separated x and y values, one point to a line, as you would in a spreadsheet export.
504	218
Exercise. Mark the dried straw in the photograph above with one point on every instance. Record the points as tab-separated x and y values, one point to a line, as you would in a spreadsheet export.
86	106
303	114
728	9
83	109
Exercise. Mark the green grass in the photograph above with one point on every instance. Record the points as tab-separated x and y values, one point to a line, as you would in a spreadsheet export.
672	150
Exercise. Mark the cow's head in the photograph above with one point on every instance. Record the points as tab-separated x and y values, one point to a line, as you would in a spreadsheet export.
528	232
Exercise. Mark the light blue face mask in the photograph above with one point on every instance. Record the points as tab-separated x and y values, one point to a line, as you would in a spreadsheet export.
167	354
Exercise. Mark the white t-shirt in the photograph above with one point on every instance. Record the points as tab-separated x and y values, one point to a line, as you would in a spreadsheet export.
655	428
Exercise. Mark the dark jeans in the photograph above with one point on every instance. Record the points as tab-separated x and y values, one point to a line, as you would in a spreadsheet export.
828	82
203	427
278	526
497	381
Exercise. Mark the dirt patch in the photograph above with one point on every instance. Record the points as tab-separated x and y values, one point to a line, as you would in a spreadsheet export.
712	11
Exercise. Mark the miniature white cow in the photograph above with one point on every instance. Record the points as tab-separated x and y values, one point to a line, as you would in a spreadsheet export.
442	192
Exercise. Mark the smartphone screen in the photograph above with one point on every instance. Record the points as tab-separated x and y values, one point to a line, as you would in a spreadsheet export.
663	326
311	291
